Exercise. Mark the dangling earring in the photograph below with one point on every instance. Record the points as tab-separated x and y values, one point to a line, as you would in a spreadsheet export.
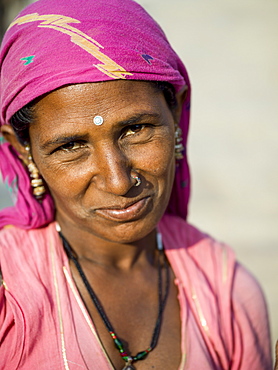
36	180
179	148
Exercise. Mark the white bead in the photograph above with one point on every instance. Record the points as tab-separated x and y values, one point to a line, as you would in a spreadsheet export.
159	241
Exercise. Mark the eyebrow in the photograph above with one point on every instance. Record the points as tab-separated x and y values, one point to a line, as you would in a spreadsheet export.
138	118
63	140
130	121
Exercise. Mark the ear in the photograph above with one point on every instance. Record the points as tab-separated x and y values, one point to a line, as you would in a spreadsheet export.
180	96
10	136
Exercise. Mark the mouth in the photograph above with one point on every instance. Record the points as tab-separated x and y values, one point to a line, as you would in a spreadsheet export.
130	212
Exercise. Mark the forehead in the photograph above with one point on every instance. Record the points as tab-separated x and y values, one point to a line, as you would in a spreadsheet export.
112	99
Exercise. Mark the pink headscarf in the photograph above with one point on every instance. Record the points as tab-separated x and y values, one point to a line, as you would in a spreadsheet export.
54	43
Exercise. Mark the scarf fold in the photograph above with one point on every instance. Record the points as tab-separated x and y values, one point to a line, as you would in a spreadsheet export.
53	43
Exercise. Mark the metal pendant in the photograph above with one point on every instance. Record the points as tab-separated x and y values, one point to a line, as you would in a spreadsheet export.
129	367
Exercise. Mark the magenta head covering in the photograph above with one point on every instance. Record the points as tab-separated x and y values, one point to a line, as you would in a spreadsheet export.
56	42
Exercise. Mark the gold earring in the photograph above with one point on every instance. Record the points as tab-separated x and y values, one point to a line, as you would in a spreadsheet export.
36	180
179	148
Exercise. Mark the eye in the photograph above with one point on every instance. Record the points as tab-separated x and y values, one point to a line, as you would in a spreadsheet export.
133	129
71	146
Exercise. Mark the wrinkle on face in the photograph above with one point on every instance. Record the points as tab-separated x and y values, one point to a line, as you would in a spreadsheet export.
99	173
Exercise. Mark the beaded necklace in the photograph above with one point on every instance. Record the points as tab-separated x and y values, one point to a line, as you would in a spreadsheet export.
128	359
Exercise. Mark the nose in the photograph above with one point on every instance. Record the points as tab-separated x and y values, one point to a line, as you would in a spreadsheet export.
113	173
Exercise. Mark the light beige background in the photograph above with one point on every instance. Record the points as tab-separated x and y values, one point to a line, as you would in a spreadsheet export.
231	52
230	49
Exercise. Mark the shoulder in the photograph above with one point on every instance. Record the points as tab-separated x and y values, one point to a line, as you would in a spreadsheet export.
247	296
217	285
252	347
246	286
10	232
22	250
14	237
12	246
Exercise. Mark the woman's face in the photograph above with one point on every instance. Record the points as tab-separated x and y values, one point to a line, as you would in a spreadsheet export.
89	168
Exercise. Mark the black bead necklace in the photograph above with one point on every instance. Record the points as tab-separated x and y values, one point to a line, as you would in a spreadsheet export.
129	359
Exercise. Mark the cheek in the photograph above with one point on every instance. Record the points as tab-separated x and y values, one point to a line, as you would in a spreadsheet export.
163	166
64	181
158	159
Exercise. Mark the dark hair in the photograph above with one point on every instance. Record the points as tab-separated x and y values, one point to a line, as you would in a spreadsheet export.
24	117
21	121
168	92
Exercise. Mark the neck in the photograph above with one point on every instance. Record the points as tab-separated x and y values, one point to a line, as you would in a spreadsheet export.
109	253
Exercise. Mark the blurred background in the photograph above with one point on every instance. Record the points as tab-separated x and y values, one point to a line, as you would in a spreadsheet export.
230	50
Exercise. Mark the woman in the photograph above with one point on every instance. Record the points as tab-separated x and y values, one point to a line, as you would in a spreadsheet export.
100	269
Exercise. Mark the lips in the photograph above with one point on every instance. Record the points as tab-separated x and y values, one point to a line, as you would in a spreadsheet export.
129	213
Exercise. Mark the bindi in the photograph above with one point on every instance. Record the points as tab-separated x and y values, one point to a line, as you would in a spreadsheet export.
98	120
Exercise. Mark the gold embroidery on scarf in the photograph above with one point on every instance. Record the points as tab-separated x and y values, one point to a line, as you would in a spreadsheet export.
4	285
8	226
183	361
197	305
78	299
60	23
64	354
199	311
2	282
184	338
84	312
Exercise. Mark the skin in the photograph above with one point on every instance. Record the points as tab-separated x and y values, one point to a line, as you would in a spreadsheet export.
108	221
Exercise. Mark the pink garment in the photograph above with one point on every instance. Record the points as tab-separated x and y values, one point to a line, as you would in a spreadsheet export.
44	324
56	42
